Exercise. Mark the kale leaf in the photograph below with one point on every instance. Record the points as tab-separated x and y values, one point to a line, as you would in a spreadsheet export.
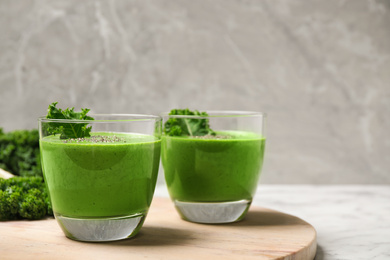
177	126
19	152
24	198
33	205
67	130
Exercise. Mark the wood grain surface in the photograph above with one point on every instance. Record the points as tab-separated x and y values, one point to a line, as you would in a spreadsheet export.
263	234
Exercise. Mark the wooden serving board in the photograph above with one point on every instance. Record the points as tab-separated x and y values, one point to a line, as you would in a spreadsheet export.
263	234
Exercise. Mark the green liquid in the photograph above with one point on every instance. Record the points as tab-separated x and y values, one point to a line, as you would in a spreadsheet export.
213	170
88	179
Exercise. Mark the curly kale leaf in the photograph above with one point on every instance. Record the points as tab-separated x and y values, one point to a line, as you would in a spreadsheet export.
19	152
24	198
177	126
25	183
33	205
9	202
67	130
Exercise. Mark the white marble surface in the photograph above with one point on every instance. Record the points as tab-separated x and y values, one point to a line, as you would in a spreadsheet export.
352	221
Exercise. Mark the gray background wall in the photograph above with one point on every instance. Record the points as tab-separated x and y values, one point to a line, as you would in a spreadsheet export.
320	69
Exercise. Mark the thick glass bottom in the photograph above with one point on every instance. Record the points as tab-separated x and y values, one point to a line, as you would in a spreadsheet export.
101	229
213	212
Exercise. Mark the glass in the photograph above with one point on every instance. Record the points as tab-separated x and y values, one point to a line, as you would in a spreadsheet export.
213	178
101	186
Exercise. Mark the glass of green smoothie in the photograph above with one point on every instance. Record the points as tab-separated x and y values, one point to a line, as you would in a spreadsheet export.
212	162
101	185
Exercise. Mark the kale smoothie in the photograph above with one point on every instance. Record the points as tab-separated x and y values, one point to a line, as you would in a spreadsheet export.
105	175
213	168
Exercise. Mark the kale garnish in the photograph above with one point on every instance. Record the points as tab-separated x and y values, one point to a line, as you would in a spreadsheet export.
186	126
68	130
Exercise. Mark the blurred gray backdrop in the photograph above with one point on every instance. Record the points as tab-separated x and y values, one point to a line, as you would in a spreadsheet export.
320	69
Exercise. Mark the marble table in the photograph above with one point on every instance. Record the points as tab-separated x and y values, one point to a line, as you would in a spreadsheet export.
352	221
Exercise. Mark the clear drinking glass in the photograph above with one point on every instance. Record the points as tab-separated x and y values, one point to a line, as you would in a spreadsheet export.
213	178
101	186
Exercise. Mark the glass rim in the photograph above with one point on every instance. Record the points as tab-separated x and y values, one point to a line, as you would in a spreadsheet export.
219	114
129	118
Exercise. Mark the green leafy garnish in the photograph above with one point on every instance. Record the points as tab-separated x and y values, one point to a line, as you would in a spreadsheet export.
68	130
176	126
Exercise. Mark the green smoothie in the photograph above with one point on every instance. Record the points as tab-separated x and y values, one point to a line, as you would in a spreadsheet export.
106	175
213	169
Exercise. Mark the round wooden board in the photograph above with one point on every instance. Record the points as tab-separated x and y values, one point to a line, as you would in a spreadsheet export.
263	234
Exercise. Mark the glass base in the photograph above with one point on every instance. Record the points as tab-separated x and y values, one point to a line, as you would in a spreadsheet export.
101	229
213	212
